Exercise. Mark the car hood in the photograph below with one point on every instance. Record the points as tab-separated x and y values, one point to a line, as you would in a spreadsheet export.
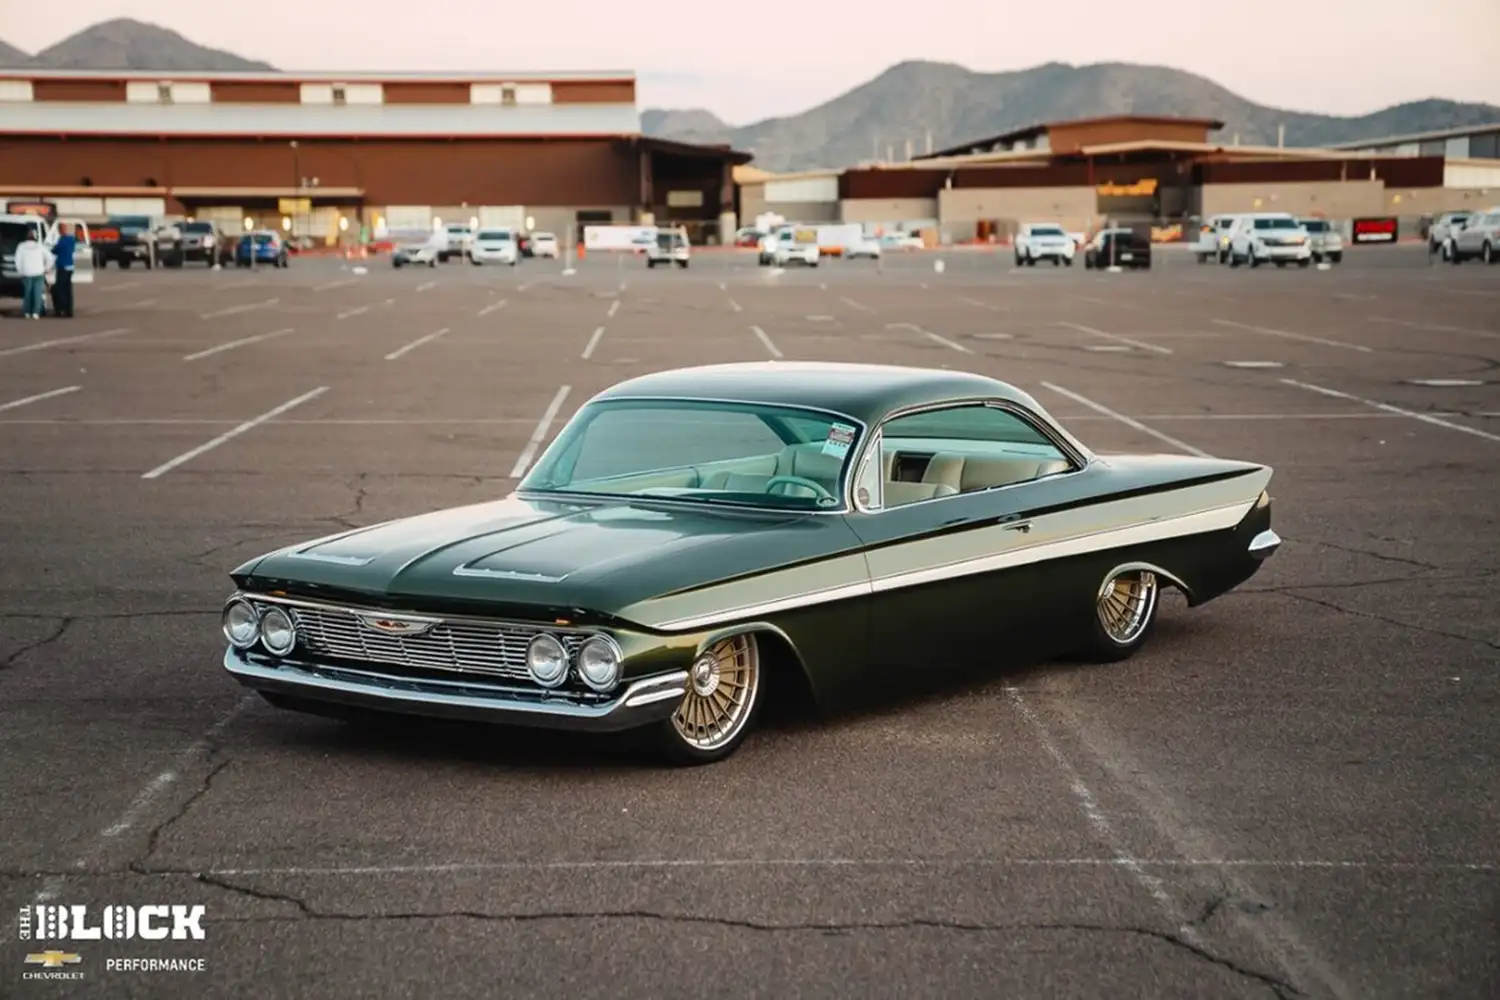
530	554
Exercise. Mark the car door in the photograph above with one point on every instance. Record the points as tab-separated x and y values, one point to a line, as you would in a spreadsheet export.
950	575
83	253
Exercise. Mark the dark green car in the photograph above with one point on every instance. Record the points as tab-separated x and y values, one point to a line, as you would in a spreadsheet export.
695	539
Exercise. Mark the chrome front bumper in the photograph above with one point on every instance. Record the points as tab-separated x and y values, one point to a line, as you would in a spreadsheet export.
1293	252
639	703
1264	544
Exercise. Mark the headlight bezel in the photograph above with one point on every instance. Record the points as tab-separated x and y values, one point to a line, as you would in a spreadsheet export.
616	660
240	602
562	655
270	615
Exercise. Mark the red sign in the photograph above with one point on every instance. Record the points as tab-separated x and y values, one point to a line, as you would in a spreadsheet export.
45	209
1375	231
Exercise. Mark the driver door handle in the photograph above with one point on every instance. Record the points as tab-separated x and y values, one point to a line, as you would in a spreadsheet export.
1022	526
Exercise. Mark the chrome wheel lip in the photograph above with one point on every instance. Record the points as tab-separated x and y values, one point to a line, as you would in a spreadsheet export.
721	695
1125	611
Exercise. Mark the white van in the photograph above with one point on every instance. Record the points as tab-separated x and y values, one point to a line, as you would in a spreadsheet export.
1213	238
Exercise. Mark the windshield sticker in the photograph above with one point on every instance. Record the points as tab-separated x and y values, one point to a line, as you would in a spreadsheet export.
840	437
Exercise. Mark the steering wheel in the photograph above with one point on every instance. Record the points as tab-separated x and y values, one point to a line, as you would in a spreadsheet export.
817	488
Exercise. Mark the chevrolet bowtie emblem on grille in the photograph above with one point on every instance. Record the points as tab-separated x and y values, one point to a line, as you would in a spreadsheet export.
53	959
395	626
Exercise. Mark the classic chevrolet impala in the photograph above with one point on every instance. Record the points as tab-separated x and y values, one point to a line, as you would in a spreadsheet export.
695	538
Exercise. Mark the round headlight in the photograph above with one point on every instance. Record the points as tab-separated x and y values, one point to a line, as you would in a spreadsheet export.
547	661
277	633
599	663
241	623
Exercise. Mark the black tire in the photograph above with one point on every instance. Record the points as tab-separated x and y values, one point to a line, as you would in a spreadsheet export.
1057	262
1125	612
1068	261
1487	254
731	654
124	264
682	264
1335	258
1303	262
650	264
432	263
397	262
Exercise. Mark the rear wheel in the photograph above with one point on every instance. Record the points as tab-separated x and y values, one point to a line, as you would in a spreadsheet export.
721	704
1488	253
1124	613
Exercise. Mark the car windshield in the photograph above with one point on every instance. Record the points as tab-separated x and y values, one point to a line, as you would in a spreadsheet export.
701	451
264	238
1047	231
13	234
1275	223
494	234
131	221
198	227
1315	226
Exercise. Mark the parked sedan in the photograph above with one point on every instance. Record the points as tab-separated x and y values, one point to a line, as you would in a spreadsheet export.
1478	236
415	254
1118	248
697	541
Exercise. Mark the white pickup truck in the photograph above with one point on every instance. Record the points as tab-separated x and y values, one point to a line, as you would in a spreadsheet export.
788	244
15	228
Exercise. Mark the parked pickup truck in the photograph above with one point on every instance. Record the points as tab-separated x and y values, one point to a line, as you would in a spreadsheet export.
130	239
15	228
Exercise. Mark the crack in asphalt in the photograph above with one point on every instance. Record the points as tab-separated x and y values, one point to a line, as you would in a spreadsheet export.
1280	988
58	631
1377	555
153	837
1398	623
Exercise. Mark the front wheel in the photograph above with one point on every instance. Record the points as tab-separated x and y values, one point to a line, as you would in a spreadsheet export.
1335	258
1488	253
720	705
1124	613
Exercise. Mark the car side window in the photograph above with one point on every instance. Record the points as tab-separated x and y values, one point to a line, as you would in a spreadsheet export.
964	449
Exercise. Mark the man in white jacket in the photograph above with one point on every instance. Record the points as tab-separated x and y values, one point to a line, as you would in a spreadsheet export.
32	262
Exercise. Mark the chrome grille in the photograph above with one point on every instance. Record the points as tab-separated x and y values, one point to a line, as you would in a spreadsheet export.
474	647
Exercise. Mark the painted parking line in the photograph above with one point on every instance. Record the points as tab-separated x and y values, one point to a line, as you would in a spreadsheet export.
982	304
231	345
122	286
1127	421
327	285
229	435
13	404
80	339
856	305
764	338
142	304
588	351
493	306
1434	327
356	311
614	307
540	434
935	338
1289	335
1117	338
1425	418
398	352
424	286
244	307
734	305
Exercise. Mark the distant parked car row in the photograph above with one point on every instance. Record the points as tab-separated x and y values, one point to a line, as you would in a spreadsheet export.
1257	238
1461	236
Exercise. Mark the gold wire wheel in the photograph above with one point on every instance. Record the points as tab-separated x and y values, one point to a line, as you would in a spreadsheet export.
722	687
1126	604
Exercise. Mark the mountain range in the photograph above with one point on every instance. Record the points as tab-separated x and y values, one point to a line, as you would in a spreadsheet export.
912	102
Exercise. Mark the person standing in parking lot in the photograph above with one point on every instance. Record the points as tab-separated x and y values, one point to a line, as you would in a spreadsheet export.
32	261
62	288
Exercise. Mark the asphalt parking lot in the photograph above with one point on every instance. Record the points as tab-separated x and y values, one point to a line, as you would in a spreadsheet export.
1294	791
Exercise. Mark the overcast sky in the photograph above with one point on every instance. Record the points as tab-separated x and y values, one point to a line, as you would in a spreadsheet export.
746	61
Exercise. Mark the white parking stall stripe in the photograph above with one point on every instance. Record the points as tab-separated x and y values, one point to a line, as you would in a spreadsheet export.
333	284
1288	335
244	307
588	351
764	338
982	305
416	344
734	305
1127	421
1425	418
352	312
1435	327
237	343
81	338
188	456
540	434
426	285
493	306
122	286
1115	337
39	397
856	305
614	307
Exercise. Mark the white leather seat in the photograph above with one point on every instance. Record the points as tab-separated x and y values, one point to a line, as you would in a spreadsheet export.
898	493
966	474
804	460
